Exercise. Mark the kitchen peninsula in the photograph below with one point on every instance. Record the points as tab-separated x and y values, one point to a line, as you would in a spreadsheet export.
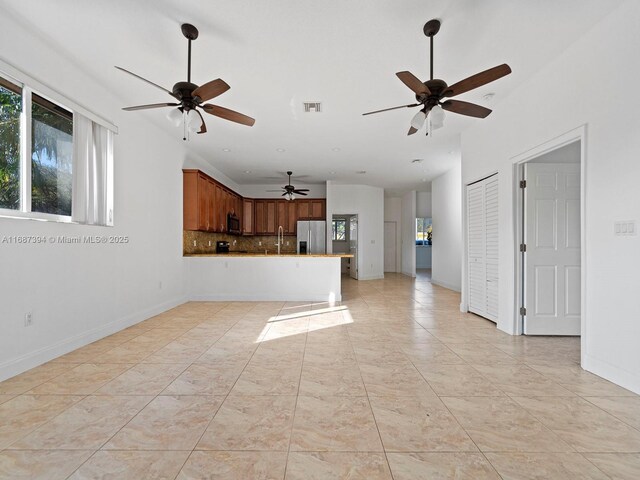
251	269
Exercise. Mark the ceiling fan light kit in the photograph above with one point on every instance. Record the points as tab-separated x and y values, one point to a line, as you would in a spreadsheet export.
290	191
430	94
190	97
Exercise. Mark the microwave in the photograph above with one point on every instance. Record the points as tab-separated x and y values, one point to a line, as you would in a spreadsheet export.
233	223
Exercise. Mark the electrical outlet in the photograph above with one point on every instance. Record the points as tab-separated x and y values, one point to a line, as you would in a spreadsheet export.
194	243
28	319
209	242
259	244
287	244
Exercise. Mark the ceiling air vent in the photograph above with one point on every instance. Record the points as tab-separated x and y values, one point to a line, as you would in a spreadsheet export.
312	107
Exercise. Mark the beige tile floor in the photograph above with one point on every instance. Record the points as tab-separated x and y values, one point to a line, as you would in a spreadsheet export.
394	383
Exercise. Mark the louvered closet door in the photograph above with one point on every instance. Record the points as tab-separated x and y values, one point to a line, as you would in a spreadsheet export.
491	245
476	248
482	244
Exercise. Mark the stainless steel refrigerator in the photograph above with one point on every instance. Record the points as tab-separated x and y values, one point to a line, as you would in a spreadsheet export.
312	237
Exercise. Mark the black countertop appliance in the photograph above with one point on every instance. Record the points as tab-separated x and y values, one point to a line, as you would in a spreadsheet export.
222	247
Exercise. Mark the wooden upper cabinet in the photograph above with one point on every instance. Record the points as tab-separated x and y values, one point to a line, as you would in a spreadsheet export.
303	209
196	201
266	222
206	204
317	209
221	220
248	223
271	226
312	209
291	226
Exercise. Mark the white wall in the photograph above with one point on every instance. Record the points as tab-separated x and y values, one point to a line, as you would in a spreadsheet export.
368	203
423	205
409	233
606	57
79	293
447	230
393	213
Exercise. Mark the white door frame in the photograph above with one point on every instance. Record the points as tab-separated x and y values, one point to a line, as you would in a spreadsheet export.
577	134
395	237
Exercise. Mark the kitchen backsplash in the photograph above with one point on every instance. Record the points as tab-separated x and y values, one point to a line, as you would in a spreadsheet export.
255	244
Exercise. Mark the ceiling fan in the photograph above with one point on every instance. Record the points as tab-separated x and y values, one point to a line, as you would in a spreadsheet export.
190	97
429	94
289	190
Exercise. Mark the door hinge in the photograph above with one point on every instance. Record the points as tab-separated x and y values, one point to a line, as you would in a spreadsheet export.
523	184
523	247
523	311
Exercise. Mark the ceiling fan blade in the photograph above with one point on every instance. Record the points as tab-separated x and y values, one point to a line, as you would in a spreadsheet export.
151	105
466	108
412	131
301	190
477	80
392	108
285	193
211	89
147	81
228	114
301	193
413	82
203	127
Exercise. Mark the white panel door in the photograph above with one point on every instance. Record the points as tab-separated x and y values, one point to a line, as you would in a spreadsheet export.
476	238
552	258
390	247
491	246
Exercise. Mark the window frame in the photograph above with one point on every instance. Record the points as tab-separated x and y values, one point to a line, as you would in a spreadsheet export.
334	231
29	86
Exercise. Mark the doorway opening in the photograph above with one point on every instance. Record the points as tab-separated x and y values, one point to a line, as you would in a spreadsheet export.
424	231
344	237
390	246
550	239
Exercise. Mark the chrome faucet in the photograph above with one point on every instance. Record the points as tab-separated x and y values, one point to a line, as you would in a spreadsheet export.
280	238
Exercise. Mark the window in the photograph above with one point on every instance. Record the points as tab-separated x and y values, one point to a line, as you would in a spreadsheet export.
424	231
10	111
51	157
339	229
55	163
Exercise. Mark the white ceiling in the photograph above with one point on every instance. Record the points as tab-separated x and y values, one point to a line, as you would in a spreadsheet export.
277	54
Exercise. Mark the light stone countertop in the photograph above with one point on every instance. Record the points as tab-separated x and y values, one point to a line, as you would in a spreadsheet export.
236	254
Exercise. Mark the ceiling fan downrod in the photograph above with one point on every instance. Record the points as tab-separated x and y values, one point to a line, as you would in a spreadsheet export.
191	33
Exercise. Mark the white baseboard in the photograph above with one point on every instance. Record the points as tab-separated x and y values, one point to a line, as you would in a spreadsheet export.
455	288
409	274
261	297
30	360
619	376
371	277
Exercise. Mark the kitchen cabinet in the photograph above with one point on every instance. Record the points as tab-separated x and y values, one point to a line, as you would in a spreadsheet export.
312	209
287	216
266	217
248	224
196	201
206	204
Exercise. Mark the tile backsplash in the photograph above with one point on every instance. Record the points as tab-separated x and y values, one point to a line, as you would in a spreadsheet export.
250	244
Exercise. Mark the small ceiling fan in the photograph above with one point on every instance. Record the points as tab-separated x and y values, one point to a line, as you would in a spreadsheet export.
190	97
290	191
429	94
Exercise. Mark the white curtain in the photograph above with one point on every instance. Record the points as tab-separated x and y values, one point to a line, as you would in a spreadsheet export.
92	202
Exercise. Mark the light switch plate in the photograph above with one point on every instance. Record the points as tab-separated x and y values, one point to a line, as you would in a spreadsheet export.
624	228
